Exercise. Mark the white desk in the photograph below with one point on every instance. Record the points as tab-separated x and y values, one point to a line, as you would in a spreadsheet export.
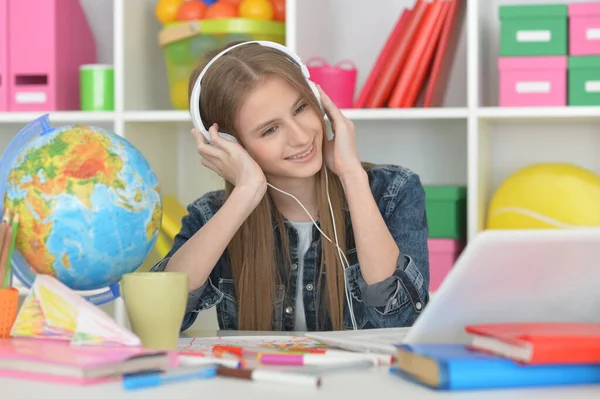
362	384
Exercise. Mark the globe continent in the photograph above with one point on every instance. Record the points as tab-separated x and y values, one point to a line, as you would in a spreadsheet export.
89	206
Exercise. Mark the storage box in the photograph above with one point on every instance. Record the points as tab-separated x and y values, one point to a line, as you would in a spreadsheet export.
533	30
48	41
584	80
532	81
584	28
446	208
443	253
3	55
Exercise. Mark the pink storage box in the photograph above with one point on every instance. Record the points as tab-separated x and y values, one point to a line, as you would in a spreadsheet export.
584	28
533	81
3	55
47	42
443	253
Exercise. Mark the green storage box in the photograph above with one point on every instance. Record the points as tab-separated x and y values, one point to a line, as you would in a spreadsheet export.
446	208
584	80
533	30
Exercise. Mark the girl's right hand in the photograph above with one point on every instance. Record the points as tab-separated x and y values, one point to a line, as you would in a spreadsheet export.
231	161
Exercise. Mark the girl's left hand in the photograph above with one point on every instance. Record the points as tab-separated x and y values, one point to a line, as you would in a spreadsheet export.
341	155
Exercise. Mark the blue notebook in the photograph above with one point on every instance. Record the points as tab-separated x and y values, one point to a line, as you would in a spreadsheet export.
454	367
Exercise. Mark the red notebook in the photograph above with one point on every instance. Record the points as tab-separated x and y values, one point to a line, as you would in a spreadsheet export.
539	343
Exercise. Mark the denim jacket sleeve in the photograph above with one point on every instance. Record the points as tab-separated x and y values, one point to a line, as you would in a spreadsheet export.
399	299
208	295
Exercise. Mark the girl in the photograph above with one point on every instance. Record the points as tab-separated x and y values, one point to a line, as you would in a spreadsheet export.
253	250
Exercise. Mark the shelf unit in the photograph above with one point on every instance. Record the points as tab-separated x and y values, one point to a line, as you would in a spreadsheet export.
469	140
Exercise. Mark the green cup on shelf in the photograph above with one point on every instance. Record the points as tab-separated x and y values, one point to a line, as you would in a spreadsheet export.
97	87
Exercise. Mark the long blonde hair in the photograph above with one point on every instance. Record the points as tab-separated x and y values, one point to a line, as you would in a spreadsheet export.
252	251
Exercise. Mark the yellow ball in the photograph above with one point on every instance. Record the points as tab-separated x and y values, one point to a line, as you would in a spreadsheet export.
548	195
179	94
166	10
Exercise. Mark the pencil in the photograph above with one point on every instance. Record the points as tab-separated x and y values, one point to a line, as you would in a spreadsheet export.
13	239
3	230
271	376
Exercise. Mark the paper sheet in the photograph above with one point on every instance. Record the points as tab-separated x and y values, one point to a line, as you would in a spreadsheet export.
204	345
52	310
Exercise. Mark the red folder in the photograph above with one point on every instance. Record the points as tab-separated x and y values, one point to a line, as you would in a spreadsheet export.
444	57
389	75
383	58
425	60
413	61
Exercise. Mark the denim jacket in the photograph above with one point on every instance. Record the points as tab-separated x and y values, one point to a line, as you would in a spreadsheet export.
394	302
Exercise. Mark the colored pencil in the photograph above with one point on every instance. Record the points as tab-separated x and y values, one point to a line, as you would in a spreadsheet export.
12	236
5	235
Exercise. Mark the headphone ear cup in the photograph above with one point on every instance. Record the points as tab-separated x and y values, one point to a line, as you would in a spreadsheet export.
315	91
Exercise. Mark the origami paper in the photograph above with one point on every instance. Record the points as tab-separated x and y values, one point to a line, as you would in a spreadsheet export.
54	311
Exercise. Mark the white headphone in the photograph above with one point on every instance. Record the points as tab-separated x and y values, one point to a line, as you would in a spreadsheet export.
199	125
195	97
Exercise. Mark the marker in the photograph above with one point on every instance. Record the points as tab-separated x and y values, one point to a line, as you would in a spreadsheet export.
271	376
241	351
380	359
322	370
234	350
139	381
191	360
307	359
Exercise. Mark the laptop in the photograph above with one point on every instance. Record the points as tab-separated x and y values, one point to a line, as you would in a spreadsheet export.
548	275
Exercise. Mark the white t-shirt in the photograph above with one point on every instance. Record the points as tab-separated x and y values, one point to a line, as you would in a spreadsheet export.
304	240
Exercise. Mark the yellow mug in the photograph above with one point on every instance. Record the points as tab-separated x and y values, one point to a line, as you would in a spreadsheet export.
156	303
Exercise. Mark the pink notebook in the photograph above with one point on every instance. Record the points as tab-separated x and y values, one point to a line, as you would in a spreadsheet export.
60	362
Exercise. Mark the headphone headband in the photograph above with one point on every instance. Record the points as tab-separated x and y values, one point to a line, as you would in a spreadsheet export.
195	96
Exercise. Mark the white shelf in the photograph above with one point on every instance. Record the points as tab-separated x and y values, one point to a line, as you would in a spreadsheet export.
353	114
575	114
61	116
405	114
156	116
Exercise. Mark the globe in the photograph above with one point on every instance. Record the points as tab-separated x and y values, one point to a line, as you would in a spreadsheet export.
89	206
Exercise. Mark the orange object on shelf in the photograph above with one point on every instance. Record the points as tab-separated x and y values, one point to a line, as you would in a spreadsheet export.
191	10
220	10
278	10
9	305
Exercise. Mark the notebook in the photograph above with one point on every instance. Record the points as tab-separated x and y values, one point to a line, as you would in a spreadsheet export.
539	343
455	367
60	361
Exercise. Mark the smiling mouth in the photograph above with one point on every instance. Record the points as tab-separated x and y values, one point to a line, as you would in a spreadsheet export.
303	154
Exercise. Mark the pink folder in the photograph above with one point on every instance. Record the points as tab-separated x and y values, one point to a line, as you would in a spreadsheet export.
3	55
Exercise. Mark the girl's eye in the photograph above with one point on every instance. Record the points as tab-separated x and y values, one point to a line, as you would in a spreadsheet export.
269	131
300	108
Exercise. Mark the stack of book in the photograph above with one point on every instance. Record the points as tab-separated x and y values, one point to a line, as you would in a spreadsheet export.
507	355
412	68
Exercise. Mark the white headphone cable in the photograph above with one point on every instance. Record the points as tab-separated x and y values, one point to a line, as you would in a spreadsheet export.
341	255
